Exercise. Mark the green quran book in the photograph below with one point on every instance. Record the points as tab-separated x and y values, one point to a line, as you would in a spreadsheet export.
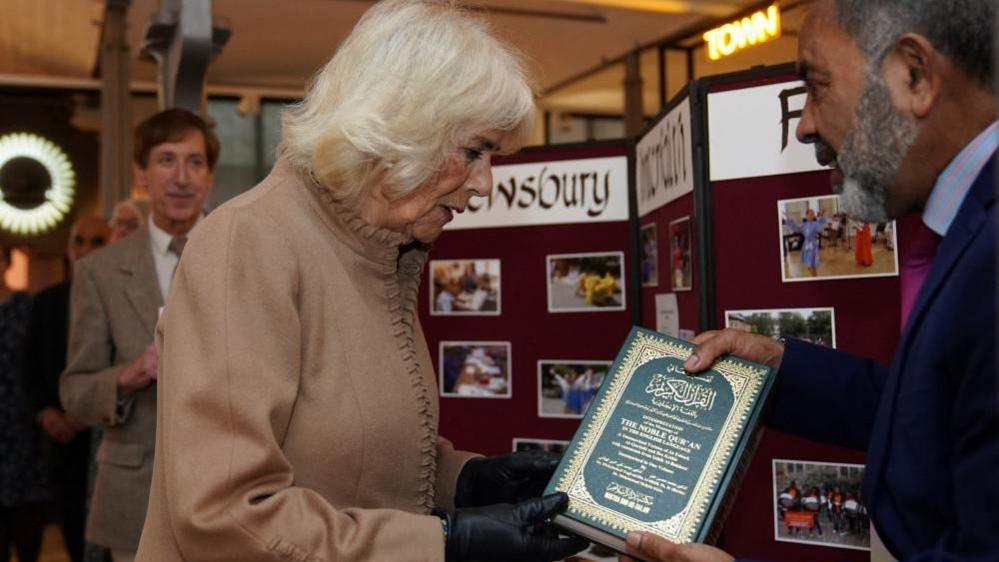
659	450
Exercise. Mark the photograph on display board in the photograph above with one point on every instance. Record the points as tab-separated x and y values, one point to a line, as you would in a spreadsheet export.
566	387
464	287
815	325
650	255
820	503
590	282
522	444
681	261
475	369
818	241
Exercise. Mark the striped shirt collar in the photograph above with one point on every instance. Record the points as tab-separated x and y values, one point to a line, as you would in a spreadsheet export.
957	178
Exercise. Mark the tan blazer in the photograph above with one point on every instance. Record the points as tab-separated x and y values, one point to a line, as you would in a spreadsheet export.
114	304
297	397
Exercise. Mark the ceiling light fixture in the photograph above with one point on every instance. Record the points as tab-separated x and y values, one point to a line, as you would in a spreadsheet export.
58	198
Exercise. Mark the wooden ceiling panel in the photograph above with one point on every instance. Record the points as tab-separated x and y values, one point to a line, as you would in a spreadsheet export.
280	44
54	37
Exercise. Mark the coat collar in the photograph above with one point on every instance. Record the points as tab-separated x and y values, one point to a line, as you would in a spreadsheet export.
142	289
386	250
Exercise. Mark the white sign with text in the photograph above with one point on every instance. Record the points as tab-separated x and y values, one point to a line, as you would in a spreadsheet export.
751	132
667	314
558	192
665	161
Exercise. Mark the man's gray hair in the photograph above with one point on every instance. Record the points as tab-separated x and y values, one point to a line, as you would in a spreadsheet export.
960	29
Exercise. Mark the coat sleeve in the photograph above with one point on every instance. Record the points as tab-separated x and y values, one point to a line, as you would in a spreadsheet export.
88	388
449	465
810	377
230	367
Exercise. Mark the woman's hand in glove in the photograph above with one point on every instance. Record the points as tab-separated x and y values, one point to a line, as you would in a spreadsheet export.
503	532
508	478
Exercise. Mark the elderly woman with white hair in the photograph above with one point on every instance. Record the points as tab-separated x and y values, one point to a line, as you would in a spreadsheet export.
126	218
297	403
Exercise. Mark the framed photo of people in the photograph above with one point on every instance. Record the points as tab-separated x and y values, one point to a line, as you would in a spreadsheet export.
566	387
475	369
818	241
587	282
650	255
681	261
465	287
815	325
820	503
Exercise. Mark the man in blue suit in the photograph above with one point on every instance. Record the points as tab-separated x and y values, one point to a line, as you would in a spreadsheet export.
901	104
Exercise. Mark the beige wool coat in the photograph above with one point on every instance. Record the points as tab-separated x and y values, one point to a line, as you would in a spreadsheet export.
114	303
297	402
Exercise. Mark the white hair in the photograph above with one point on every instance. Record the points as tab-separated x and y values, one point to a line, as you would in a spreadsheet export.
130	204
414	80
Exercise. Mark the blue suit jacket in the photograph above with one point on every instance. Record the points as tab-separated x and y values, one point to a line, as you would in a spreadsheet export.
930	422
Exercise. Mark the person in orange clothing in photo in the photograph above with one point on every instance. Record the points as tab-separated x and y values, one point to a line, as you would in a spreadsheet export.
862	250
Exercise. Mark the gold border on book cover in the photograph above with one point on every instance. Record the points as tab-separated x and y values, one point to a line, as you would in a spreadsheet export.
745	381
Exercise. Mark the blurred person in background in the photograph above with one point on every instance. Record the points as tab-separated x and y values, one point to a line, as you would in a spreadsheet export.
126	218
115	301
24	488
45	359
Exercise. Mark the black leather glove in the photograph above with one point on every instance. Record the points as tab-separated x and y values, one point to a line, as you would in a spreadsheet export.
505	479
504	532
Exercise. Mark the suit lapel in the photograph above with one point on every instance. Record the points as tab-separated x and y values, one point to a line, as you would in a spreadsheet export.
967	224
142	288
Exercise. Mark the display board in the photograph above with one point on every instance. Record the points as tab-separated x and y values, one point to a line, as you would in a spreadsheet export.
525	305
782	275
665	176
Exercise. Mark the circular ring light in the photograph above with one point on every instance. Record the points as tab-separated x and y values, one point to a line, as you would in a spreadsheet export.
58	197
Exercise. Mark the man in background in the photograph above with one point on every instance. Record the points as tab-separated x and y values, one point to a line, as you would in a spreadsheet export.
115	301
45	358
126	218
901	104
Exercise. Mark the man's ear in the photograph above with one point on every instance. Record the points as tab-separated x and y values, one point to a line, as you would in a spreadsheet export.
914	72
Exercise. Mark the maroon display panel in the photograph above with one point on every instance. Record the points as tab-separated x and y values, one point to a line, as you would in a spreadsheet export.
687	301
747	259
489	425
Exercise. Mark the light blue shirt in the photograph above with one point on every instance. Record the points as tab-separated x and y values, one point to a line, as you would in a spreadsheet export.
955	181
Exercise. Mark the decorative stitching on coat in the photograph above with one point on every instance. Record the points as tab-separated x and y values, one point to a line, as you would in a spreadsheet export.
291	551
401	268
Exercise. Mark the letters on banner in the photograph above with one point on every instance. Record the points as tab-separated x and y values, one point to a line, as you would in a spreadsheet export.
556	192
751	132
665	163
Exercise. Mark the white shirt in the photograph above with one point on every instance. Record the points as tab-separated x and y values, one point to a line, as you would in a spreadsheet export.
163	258
445	301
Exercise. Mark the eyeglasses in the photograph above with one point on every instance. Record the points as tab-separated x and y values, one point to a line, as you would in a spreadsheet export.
94	241
125	223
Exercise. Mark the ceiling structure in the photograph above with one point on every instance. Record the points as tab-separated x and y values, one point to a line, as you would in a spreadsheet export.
276	45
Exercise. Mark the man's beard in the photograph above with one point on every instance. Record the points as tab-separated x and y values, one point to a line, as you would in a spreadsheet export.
872	153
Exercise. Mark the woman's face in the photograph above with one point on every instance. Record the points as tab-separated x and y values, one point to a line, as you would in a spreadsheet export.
422	213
